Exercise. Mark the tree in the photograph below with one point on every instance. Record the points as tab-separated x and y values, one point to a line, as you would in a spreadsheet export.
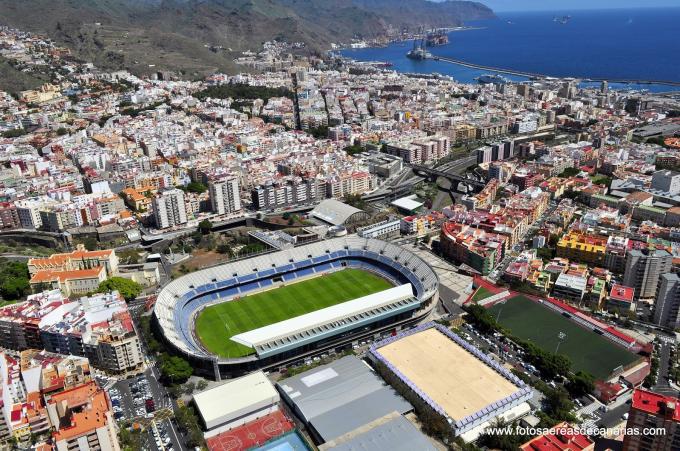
481	318
188	421
152	343
196	187
559	405
569	172
505	442
91	243
224	249
353	149
129	256
355	201
580	384
14	279
175	369
201	385
320	132
61	131
130	440
14	288
14	133
205	226
127	288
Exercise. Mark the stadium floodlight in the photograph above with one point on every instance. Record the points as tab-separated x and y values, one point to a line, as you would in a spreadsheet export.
502	304
561	336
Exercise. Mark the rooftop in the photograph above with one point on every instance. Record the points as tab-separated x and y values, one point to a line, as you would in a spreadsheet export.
447	373
656	404
392	432
340	397
326	317
334	212
565	439
233	396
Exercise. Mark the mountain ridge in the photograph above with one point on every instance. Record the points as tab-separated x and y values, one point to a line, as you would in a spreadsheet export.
149	35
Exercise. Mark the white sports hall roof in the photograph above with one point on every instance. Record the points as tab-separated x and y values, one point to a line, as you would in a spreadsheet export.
234	399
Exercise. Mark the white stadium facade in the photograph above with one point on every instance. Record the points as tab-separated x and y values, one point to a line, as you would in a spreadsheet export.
414	295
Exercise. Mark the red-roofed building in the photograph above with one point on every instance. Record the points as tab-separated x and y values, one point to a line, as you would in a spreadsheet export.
649	409
621	298
564	438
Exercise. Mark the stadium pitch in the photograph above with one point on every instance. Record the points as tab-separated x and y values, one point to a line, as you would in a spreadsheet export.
215	325
587	350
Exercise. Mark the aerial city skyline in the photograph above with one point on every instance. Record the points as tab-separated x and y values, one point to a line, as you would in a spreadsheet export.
390	225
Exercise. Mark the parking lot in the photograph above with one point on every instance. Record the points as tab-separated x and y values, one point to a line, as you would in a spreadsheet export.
141	399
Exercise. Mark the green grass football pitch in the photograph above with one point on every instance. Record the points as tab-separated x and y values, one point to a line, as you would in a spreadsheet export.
587	350
216	324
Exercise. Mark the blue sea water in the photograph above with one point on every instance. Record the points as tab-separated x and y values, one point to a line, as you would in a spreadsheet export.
640	44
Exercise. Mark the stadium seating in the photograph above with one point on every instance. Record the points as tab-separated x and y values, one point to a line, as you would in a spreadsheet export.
180	300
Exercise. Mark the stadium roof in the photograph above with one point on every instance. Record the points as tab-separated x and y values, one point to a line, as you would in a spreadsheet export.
392	432
235	398
300	327
338	398
334	212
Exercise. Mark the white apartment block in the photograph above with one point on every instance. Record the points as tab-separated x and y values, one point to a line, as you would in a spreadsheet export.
169	208
225	196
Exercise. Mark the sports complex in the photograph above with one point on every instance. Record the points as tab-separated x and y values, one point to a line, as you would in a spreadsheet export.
455	379
552	325
276	308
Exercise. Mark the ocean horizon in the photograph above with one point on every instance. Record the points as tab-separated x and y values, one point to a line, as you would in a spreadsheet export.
637	43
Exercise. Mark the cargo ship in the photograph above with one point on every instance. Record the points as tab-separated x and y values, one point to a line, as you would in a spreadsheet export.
487	79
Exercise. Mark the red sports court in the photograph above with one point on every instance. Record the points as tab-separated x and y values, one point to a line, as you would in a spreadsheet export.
251	434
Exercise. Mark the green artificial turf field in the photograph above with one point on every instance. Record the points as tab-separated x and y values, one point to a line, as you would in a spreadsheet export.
216	324
587	350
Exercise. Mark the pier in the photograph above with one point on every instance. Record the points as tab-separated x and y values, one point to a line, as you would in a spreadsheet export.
520	73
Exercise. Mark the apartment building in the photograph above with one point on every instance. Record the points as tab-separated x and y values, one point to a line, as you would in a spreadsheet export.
286	194
653	410
82	420
643	269
667	303
583	248
98	327
225	196
169	208
476	248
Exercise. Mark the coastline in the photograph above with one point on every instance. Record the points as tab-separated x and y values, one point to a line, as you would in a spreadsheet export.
555	51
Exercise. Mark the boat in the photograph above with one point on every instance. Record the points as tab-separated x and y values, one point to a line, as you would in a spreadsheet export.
487	79
563	20
418	51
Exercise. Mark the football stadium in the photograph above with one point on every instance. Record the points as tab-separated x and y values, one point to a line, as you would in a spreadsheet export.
552	325
455	379
276	308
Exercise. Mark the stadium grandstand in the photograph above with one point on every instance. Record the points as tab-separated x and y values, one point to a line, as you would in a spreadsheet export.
181	301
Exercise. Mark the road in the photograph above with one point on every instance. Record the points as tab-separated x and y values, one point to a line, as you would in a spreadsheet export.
529	233
161	397
664	352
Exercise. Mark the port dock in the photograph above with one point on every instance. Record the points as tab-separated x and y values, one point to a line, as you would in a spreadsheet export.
520	73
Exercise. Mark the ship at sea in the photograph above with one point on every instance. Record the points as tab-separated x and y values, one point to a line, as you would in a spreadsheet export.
563	20
487	79
418	51
435	38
